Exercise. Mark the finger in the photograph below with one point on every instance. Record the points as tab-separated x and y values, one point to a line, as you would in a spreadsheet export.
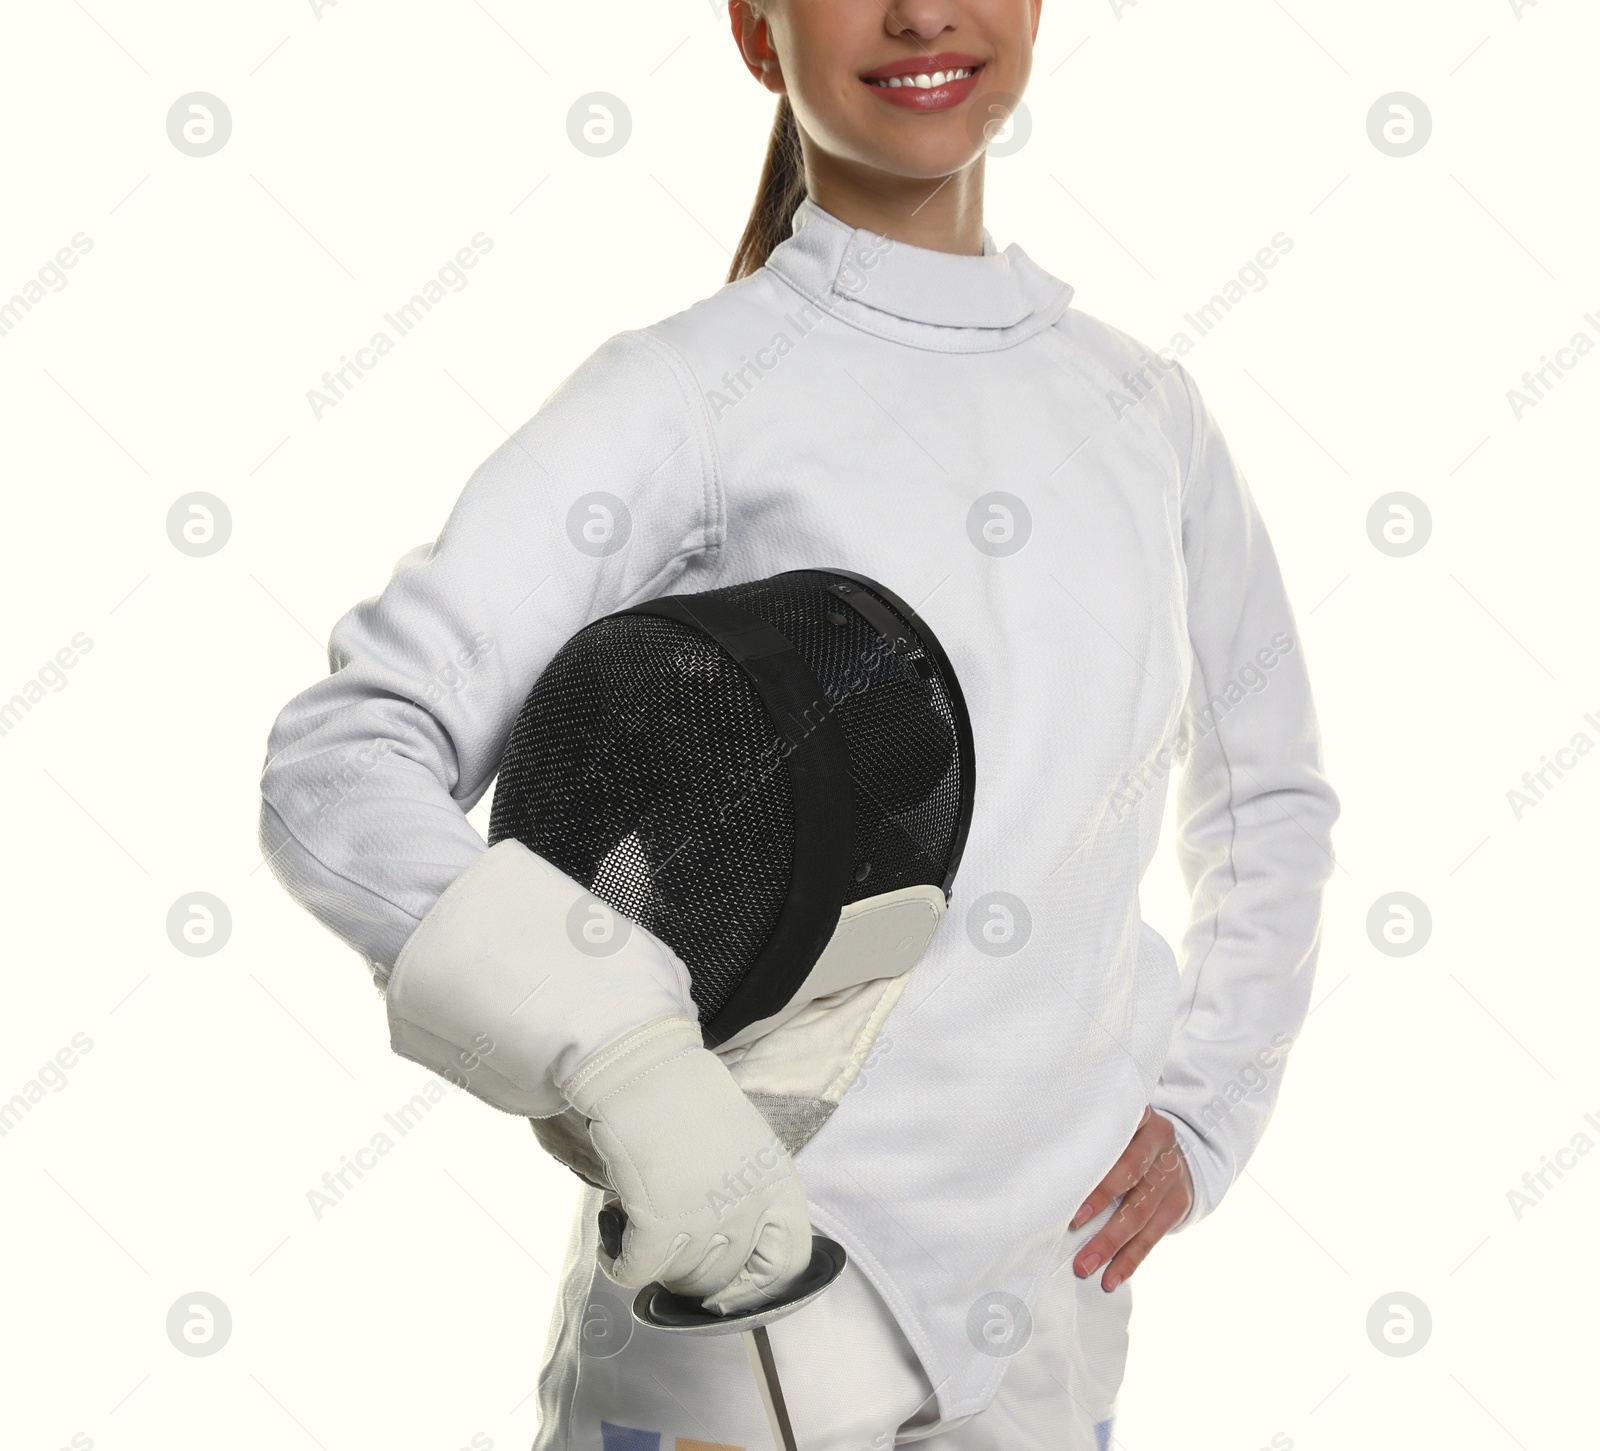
702	1267
1172	1168
1170	1209
1144	1148
742	1293
1138	1204
1154	1151
762	1276
1116	1180
1171	1171
1099	1197
643	1258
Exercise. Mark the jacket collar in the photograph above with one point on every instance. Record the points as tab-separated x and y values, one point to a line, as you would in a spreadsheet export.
942	300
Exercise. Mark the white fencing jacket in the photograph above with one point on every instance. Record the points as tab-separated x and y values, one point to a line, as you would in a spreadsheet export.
1059	505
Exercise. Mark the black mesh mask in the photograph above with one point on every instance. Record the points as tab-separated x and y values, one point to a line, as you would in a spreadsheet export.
732	770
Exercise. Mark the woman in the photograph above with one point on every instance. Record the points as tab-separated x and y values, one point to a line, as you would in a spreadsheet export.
877	388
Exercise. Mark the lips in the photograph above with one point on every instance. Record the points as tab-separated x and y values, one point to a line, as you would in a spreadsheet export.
925	82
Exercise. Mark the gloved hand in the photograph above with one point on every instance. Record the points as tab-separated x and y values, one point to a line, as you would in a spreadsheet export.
715	1208
529	992
517	976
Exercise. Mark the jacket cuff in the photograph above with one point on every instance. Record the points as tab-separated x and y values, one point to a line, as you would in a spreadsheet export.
518	975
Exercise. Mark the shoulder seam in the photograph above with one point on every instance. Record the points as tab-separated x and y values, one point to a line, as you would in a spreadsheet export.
1194	429
1091	368
713	499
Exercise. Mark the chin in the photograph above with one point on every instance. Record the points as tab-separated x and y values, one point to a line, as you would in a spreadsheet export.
923	163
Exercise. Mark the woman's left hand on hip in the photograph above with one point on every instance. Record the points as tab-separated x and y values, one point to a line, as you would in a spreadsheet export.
1156	1188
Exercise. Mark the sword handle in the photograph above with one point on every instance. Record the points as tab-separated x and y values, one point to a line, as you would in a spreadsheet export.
613	1221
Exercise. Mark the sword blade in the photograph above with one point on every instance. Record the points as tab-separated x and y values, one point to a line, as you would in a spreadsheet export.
759	1349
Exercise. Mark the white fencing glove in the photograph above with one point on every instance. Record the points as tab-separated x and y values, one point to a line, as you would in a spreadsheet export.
715	1208
525	989
517	975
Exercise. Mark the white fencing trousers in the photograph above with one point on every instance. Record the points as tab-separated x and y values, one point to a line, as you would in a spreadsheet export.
850	1377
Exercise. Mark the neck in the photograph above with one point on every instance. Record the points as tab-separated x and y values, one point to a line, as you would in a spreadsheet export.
944	214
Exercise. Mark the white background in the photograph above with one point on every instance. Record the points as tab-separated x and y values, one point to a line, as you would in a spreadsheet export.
1169	143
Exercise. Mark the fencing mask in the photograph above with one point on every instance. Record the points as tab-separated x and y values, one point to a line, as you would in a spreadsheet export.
774	778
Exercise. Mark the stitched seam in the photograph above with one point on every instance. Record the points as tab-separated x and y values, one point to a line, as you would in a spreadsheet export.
692	1212
1045	320
625	1045
848	260
1194	429
861	1048
712	490
617	1051
332	871
1220	732
624	1154
640	1076
764	1192
1233	832
1085	366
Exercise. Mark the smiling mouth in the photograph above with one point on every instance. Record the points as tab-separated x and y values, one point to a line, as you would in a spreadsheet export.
927	80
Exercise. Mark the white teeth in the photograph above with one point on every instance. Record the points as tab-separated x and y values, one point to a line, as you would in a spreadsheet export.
925	82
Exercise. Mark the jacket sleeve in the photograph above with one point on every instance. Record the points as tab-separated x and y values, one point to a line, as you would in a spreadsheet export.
1255	814
606	495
